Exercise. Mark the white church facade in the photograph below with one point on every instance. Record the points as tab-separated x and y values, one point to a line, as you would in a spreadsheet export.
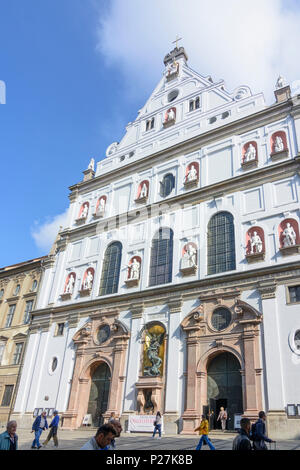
175	284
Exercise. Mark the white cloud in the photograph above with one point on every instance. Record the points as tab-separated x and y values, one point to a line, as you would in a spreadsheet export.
246	42
45	233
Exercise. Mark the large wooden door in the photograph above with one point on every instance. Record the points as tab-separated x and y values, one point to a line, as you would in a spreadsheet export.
98	401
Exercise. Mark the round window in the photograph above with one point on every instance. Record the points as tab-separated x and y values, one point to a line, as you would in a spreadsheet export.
173	95
103	334
220	319
297	340
54	364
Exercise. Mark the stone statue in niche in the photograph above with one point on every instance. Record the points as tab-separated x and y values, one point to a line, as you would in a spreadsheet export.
144	191
92	164
189	258
153	343
192	174
279	145
134	270
173	68
289	236
250	153
256	244
171	115
101	206
88	282
70	285
84	212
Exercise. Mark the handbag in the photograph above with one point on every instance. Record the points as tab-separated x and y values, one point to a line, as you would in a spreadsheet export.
154	423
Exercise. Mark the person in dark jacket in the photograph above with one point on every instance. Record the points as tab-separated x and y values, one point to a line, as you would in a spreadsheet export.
260	438
242	441
39	425
53	430
9	439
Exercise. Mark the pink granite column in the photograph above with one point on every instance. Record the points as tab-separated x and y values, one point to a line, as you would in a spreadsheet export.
191	415
251	378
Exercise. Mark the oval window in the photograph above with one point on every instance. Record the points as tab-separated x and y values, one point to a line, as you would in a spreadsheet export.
173	95
54	364
297	340
220	319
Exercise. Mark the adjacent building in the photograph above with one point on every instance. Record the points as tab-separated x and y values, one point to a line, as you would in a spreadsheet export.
18	290
175	284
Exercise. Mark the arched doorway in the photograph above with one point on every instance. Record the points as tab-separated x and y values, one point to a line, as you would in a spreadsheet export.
98	401
224	388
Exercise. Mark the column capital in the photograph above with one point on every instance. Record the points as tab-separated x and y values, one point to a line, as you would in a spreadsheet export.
267	290
137	310
175	304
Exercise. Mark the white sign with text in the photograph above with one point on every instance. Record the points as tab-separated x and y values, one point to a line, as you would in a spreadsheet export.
142	423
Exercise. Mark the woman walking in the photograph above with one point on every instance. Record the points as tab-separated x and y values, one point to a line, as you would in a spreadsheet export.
203	432
223	418
157	425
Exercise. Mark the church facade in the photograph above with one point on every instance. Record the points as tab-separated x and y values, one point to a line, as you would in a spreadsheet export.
175	284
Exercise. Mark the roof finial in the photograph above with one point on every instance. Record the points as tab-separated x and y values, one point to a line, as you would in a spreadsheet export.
176	41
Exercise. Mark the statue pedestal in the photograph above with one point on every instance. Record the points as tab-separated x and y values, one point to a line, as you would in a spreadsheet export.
98	215
188	271
279	155
191	184
155	384
190	419
169	123
254	257
290	250
84	292
66	296
80	221
141	200
250	164
88	174
132	282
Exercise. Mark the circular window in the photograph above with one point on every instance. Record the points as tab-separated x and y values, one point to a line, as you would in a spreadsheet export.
220	319
173	95
297	340
103	334
54	364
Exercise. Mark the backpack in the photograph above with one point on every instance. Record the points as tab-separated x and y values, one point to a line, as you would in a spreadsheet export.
253	432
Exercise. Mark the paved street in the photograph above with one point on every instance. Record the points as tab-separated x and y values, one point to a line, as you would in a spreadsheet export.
73	440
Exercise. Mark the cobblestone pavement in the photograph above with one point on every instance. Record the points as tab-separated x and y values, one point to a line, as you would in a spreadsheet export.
74	440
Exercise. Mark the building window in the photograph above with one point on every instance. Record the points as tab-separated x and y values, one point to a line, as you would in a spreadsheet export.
8	391
111	269
167	185
220	244
294	294
2	349
1	293
60	329
161	257
297	340
18	353
10	315
54	364
17	289
195	104
28	309
34	286
221	319
150	124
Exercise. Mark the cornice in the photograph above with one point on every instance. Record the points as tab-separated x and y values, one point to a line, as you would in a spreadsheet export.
22	269
229	186
240	126
235	282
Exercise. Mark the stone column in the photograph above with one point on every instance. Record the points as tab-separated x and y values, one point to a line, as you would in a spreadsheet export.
116	386
191	415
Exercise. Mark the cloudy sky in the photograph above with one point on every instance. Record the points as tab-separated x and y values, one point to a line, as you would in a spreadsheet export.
76	72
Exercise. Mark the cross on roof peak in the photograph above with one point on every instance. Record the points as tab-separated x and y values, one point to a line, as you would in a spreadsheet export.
176	41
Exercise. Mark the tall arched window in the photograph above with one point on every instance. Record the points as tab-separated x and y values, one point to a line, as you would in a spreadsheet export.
220	243
111	269
161	257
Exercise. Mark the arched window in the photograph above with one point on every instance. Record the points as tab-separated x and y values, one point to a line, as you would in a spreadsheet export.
111	269
220	243
161	257
167	184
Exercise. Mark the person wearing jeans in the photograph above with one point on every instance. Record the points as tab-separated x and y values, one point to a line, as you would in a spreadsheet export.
39	425
157	425
203	432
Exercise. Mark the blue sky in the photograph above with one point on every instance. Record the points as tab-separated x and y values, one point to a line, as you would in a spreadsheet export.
77	71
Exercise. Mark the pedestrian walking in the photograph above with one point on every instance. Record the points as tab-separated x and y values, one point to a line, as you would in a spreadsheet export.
223	418
157	425
242	441
53	430
203	432
39	425
112	416
258	433
9	438
102	439
118	428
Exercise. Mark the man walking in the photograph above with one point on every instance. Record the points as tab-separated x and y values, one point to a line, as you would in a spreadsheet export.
258	433
118	428
53	430
39	425
102	439
242	441
9	439
203	431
